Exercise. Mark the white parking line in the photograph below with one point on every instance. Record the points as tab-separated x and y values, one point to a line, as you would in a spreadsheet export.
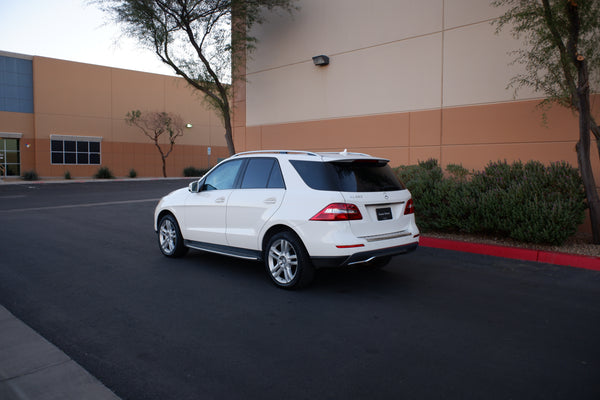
108	203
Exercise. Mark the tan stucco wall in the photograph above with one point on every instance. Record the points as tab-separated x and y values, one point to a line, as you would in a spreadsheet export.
389	57
407	80
87	100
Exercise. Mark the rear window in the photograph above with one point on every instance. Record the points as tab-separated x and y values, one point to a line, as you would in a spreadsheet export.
355	176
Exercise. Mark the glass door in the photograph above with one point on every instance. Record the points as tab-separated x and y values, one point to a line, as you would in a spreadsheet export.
10	157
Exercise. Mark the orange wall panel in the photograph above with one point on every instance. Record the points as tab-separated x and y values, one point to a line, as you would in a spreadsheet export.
425	128
14	122
514	122
387	130
69	88
239	113
131	90
424	153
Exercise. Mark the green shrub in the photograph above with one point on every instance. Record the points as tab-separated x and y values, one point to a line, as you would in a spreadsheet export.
104	173
424	182
194	172
530	202
457	171
132	173
527	202
30	176
67	175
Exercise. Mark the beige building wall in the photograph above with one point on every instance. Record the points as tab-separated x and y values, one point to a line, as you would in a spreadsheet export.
407	80
74	99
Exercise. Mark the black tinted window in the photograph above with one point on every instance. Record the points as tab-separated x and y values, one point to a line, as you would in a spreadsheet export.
262	173
276	179
257	173
356	176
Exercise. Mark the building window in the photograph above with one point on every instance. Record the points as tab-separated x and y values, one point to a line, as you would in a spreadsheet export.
78	150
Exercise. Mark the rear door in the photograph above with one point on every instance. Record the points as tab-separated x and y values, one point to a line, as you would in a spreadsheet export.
260	194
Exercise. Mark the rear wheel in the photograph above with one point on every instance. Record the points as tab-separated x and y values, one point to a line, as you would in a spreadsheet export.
287	261
170	240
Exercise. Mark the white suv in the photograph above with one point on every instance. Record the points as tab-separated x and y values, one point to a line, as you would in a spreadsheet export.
294	210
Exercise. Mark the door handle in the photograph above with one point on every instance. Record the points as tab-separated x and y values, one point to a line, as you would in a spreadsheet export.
270	200
220	200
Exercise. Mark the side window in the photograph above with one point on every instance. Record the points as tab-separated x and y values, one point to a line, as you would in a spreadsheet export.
262	173
224	176
276	179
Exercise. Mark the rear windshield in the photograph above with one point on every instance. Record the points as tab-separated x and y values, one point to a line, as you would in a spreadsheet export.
355	176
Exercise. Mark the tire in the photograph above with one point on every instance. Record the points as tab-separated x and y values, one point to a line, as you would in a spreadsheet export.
170	240
287	261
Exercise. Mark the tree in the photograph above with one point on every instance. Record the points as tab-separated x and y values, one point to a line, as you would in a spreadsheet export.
154	125
561	57
196	39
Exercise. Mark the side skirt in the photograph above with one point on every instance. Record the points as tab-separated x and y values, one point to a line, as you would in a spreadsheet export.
245	254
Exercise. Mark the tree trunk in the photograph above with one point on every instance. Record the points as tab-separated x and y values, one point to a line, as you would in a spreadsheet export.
583	148
228	132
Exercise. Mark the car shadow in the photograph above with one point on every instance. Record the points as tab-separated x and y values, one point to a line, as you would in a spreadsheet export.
353	279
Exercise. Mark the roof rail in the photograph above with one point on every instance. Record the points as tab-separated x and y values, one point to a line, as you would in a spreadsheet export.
310	153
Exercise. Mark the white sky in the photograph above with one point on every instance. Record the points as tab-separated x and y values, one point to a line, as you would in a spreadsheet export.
71	30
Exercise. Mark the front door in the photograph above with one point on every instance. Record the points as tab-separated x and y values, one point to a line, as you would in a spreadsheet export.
206	211
10	157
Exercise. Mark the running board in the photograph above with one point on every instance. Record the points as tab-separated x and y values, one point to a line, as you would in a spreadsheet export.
245	254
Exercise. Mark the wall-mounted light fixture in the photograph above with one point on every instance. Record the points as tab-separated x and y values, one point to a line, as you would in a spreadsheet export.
321	60
188	125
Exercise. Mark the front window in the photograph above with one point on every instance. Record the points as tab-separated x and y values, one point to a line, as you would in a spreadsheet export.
223	177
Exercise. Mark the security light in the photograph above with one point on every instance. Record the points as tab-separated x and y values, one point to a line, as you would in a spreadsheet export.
321	60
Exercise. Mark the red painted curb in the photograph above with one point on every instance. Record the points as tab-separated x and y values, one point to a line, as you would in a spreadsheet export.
549	257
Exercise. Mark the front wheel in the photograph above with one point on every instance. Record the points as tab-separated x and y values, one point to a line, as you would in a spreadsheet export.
287	261
170	240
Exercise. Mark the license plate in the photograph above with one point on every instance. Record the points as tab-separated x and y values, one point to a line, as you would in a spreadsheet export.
384	213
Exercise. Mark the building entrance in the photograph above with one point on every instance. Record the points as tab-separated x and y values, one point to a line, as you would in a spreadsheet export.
10	157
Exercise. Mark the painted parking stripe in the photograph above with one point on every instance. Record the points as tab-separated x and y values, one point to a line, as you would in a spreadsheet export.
108	203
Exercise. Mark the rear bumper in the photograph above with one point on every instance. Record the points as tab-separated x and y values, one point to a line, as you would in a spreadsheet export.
362	257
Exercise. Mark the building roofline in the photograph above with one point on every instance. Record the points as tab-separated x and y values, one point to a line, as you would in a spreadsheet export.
15	55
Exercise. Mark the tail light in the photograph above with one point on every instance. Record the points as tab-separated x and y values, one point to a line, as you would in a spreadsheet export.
338	212
410	207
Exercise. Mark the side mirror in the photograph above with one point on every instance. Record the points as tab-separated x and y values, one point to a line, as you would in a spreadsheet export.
193	187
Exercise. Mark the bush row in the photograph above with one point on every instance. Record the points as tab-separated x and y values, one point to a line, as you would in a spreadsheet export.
105	173
527	202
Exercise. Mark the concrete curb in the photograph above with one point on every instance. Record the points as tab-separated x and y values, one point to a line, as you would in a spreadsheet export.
33	368
549	257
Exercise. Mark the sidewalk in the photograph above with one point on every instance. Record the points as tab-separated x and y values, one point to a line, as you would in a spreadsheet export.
34	369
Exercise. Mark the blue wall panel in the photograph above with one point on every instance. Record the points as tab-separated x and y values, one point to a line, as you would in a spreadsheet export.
16	85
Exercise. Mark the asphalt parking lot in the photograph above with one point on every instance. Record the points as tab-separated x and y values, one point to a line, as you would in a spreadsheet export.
80	265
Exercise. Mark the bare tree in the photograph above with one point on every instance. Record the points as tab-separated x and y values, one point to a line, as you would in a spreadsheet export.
196	39
561	55
154	125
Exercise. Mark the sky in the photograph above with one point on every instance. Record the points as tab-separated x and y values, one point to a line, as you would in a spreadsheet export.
71	30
